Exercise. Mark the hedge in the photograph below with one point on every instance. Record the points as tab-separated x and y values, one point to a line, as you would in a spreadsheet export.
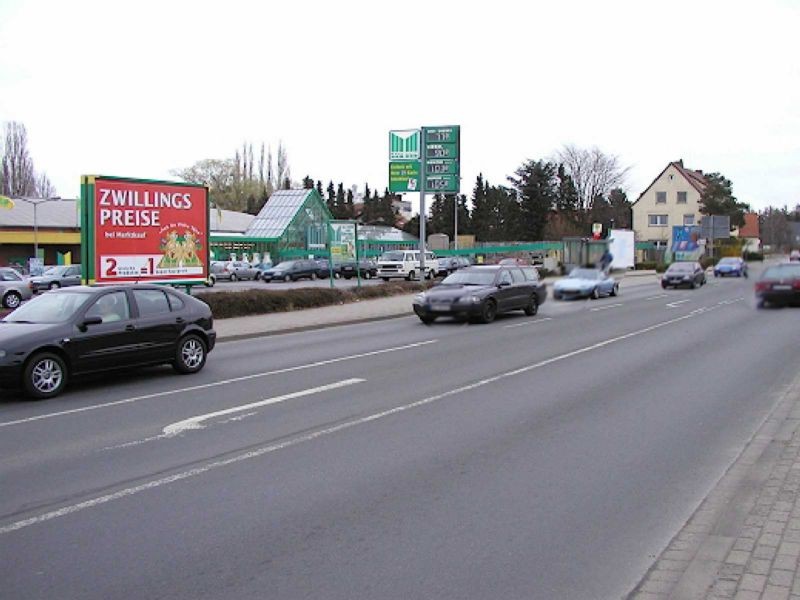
243	303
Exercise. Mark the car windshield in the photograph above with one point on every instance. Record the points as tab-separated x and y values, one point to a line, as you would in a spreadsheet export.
729	261
469	278
584	274
52	307
780	272
55	270
284	266
681	268
392	256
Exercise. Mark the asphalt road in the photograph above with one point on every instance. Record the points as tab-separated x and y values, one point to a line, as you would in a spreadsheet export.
537	457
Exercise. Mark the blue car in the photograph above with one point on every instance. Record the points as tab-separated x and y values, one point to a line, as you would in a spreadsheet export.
585	283
730	266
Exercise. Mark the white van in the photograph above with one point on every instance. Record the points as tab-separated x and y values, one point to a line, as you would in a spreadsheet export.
404	264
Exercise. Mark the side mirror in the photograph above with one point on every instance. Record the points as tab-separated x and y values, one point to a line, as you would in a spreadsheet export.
503	284
90	321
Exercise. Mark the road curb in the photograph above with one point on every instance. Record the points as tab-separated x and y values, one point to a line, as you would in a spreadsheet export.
301	328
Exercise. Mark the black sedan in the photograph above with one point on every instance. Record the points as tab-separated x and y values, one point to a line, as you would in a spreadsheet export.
367	269
66	333
690	274
779	285
291	270
480	293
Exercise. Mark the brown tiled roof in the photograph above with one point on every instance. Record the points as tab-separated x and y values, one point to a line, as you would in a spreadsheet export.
750	228
695	178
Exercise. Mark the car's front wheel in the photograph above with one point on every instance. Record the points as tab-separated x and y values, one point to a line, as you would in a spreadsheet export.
12	300
411	276
234	277
427	319
533	306
488	311
287	278
45	376
615	290
54	285
595	294
190	355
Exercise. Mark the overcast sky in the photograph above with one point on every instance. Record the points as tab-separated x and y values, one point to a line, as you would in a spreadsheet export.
139	88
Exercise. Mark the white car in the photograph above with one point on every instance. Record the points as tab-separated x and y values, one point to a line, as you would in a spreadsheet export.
405	264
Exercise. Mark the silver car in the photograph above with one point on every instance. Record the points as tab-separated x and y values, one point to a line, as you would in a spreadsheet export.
240	269
57	277
13	288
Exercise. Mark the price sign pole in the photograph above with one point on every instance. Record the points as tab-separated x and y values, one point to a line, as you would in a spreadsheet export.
422	207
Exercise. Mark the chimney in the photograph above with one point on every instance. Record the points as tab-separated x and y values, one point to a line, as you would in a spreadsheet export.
679	162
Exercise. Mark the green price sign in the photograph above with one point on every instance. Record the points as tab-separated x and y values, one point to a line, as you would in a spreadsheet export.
442	135
441	150
442	166
404	176
442	183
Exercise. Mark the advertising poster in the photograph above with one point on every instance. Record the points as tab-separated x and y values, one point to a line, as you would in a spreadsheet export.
342	241
685	242
144	231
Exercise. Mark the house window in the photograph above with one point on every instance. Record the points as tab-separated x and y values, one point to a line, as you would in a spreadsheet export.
688	219
681	197
661	197
657	220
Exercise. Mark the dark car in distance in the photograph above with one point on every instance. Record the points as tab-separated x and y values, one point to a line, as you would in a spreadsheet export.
480	293
67	333
291	270
57	277
367	269
779	285
324	269
690	274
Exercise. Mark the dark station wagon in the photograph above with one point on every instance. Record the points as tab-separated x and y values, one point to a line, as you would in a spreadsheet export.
482	292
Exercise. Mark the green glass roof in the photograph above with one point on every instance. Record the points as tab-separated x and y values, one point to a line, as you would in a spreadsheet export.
277	213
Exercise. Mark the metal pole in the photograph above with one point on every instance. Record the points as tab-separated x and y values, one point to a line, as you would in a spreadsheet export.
455	221
35	233
423	176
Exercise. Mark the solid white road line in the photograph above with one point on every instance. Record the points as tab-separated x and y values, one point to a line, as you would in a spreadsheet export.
606	307
193	388
124	493
656	297
527	323
196	422
676	303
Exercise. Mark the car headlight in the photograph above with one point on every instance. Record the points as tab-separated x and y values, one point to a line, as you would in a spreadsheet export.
419	298
475	299
2	353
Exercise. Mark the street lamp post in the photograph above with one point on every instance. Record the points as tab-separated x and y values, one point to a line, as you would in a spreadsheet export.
36	202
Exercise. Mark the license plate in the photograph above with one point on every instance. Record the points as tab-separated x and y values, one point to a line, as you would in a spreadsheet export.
440	307
781	288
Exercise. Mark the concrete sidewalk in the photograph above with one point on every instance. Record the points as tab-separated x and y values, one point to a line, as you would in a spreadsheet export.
342	314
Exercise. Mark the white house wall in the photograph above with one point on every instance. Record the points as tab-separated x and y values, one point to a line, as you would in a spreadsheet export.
671	181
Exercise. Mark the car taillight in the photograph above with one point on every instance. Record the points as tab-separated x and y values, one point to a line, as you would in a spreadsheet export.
761	286
796	284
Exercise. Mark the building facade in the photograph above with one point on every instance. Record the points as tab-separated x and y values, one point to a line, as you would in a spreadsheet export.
672	199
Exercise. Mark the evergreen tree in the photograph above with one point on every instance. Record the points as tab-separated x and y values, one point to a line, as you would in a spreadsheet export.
308	183
536	188
340	200
484	216
331	198
350	212
620	209
319	189
718	199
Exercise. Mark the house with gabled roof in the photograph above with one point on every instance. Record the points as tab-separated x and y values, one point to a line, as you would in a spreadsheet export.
673	198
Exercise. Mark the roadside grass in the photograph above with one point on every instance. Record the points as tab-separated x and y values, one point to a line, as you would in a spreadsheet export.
226	305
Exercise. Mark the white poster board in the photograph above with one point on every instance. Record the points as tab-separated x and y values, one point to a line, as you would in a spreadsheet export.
623	249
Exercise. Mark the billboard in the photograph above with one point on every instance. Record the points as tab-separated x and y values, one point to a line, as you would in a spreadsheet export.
136	230
686	242
343	241
622	245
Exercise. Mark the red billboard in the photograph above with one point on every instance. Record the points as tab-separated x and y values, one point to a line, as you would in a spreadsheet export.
147	231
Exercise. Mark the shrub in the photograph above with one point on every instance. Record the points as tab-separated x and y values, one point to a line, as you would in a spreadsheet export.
707	261
754	256
226	305
645	266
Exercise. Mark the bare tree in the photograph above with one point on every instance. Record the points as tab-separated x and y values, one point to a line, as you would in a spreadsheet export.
593	172
44	187
282	171
18	174
775	229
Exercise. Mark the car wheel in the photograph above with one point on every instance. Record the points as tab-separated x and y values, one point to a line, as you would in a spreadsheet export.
190	355
337	275
488	311
692	285
367	275
595	294
385	279
12	300
54	285
716	274
663	286
533	306
287	278
411	276
615	290
313	277
233	277
257	277
427	319
45	376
